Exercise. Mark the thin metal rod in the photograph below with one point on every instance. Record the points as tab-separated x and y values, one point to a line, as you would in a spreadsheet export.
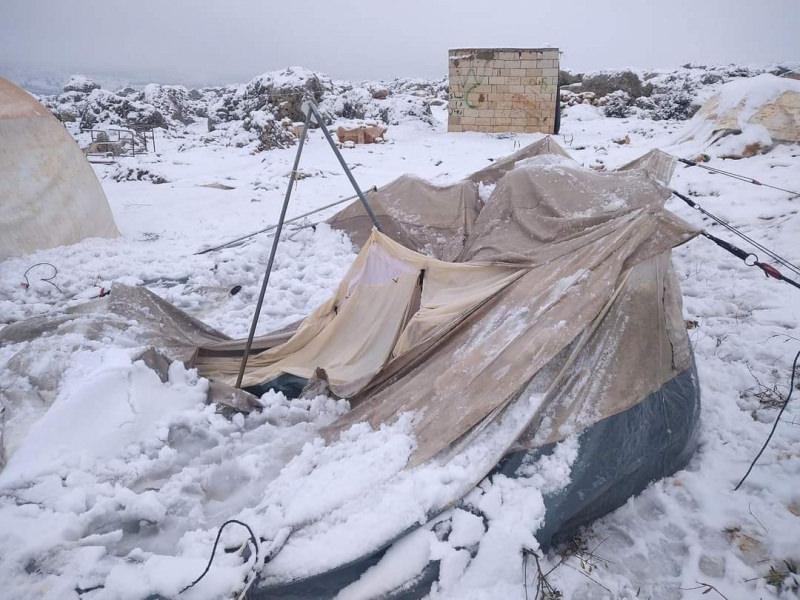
292	178
374	188
339	156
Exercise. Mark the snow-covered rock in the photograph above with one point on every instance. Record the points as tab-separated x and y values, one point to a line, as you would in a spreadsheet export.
172	101
110	109
80	83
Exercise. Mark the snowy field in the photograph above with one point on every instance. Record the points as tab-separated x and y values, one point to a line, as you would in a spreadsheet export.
100	447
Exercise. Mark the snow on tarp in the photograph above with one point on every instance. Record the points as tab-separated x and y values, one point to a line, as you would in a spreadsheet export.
49	193
751	111
468	381
433	220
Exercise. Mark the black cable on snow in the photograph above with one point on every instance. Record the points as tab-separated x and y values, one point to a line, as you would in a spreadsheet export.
214	549
774	425
49	280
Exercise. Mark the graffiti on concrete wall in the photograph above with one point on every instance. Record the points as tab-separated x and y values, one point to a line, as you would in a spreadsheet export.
465	85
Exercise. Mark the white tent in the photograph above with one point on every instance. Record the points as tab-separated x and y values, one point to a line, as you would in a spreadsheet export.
745	117
49	195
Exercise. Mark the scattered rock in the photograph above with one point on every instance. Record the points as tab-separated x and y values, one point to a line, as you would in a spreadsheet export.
217	186
749	549
106	108
172	101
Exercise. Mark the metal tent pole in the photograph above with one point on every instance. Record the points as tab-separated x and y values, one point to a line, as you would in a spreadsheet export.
374	188
310	108
313	108
292	178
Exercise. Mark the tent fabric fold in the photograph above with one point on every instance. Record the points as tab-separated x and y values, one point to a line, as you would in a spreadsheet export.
367	321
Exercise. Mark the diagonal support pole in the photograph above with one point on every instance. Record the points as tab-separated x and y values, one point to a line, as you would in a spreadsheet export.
313	108
278	228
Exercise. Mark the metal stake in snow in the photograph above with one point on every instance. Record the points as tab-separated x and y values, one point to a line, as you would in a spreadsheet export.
310	109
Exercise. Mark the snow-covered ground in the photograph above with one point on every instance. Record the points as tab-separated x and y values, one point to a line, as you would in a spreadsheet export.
103	454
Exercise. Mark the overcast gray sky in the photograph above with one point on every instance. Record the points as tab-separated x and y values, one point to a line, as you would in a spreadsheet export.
195	41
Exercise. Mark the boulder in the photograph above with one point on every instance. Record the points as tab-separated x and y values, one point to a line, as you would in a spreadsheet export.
270	132
80	83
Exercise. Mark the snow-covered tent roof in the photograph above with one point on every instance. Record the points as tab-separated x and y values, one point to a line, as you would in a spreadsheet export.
758	110
422	216
49	193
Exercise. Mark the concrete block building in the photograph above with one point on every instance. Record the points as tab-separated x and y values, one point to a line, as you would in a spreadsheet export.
503	89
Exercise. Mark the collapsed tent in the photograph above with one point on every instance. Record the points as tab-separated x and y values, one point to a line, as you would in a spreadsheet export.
48	191
557	315
563	292
756	111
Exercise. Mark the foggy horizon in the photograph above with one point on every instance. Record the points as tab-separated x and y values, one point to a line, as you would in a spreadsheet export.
206	43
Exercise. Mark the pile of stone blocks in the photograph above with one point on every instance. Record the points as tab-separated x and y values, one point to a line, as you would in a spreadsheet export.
503	89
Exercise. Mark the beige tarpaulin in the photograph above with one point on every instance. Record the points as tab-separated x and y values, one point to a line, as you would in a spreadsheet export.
766	100
553	251
391	300
495	171
431	219
49	194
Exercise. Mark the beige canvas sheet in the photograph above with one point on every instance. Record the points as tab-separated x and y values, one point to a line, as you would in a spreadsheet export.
430	219
48	192
556	252
497	170
369	319
781	117
433	220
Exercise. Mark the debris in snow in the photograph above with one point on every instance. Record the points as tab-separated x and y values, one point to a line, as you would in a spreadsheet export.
365	134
